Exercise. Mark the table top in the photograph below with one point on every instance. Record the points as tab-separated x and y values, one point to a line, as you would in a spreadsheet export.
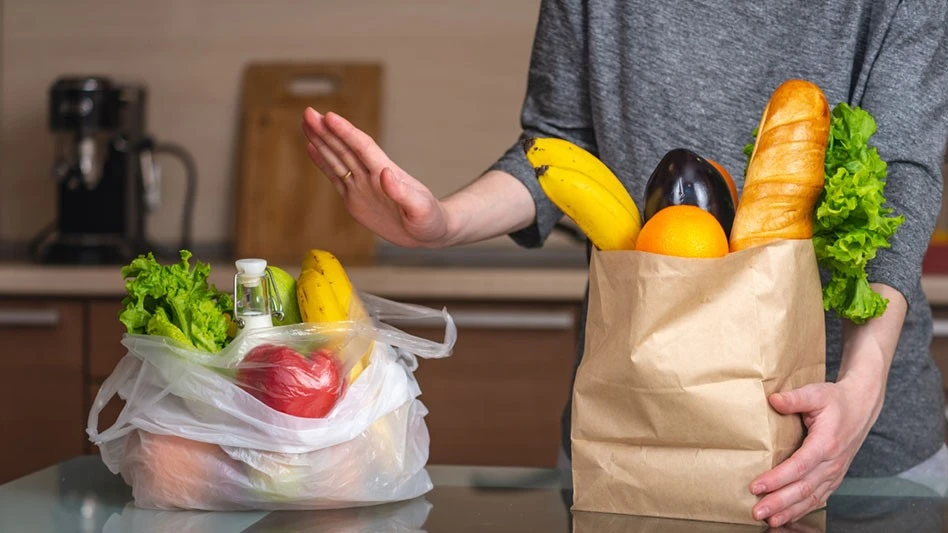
81	495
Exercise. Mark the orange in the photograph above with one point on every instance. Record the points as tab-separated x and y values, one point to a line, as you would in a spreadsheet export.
727	178
683	231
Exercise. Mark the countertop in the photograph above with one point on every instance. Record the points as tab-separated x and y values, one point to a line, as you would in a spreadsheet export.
81	495
558	274
485	274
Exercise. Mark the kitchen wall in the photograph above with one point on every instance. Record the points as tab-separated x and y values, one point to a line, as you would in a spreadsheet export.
454	81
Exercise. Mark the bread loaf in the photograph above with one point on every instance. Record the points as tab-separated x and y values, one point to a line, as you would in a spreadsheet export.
785	172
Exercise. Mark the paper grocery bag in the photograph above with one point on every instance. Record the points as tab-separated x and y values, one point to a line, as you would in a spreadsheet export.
591	522
670	413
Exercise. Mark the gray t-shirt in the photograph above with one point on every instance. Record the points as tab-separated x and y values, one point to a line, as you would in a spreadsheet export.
630	80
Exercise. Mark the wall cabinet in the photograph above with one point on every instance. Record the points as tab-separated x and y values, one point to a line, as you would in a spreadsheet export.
41	384
496	401
940	344
105	351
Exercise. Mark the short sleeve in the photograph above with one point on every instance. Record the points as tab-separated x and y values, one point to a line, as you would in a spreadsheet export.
907	93
556	105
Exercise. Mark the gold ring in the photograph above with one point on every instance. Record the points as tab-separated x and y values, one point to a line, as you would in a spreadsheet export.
347	176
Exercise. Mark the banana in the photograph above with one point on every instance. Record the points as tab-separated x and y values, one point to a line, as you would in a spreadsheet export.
601	216
327	263
556	152
323	267
317	299
327	267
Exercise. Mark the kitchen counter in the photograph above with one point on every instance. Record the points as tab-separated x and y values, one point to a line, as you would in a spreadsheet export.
468	273
421	280
486	274
504	283
81	495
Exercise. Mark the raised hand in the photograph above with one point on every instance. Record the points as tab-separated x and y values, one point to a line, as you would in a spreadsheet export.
376	191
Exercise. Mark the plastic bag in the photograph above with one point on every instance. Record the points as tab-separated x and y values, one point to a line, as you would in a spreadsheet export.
195	434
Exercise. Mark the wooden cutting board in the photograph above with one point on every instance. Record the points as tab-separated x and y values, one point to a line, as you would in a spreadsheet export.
285	205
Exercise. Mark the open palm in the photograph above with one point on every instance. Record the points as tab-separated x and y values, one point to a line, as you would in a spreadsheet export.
376	191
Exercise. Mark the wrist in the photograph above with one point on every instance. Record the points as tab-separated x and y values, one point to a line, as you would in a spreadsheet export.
863	374
868	350
865	395
864	367
455	220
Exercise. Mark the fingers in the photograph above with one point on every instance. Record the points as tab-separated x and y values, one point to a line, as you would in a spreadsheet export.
336	166
331	147
358	141
778	504
802	462
412	204
803	400
801	501
326	169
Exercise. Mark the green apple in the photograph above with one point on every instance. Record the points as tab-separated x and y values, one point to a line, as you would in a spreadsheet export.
286	289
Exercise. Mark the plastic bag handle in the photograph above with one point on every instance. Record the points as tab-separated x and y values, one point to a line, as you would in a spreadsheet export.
383	309
124	370
122	373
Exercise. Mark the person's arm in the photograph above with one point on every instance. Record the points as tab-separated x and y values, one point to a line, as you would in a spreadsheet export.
868	351
906	90
493	205
838	416
398	207
556	104
506	199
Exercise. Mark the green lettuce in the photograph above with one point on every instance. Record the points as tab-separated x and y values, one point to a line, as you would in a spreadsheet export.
749	151
176	301
851	221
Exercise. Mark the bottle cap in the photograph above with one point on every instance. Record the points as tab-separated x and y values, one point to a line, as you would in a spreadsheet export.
251	271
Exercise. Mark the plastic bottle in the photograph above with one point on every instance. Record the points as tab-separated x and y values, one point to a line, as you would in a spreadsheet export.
252	294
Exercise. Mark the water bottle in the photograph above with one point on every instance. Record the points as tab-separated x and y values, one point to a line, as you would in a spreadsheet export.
254	295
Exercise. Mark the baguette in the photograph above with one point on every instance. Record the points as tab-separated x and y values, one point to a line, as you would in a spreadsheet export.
785	172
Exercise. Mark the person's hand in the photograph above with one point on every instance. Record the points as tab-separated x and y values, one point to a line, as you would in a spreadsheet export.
378	194
838	417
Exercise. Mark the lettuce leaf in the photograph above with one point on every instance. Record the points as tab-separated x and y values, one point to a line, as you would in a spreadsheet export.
749	151
176	301
851	220
160	324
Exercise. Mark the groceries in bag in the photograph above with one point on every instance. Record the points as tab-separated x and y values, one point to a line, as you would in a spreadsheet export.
318	412
811	174
713	303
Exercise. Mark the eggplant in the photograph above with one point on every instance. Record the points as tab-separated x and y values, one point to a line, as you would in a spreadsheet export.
683	177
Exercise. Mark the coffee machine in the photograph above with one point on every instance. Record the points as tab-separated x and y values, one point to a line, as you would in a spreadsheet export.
106	173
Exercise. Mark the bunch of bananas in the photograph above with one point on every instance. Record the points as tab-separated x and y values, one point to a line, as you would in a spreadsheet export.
586	190
325	294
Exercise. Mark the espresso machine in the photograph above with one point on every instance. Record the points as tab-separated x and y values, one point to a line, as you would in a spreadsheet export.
107	175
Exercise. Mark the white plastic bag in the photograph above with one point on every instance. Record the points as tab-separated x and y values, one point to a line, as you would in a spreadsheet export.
193	436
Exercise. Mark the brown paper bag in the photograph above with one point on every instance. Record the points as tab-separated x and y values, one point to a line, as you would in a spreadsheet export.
591	522
670	413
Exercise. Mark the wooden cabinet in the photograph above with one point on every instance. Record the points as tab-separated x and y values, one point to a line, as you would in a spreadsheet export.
940	342
105	351
498	399
940	348
41	384
105	338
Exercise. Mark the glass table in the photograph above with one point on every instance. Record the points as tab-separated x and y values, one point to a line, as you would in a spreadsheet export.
81	495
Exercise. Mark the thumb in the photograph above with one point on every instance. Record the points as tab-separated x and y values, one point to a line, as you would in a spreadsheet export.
412	203
803	400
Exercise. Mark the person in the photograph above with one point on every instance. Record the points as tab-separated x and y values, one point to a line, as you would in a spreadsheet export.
629	80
